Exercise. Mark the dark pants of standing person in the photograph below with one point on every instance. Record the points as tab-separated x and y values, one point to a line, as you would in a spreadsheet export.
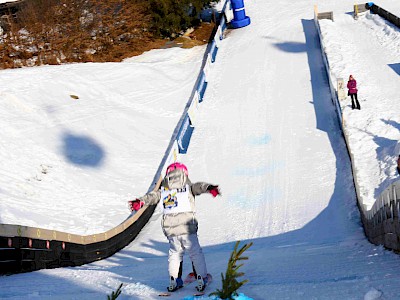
357	104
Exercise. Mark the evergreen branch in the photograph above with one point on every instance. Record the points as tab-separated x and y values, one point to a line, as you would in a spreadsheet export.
114	295
230	284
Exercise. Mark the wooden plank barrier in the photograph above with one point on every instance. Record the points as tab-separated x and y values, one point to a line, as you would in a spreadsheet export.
322	15
360	8
385	14
24	248
325	15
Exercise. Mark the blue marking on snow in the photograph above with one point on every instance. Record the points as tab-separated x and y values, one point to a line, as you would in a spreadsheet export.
245	200
258	171
261	140
256	198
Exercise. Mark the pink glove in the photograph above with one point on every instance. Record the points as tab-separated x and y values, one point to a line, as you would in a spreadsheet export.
135	205
213	190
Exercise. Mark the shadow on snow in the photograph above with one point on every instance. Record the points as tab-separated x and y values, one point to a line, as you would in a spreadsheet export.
82	150
395	67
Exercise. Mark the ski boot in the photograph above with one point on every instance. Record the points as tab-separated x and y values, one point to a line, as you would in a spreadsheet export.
174	284
201	283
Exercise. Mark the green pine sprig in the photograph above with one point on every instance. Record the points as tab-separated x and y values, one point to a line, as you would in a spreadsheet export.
114	295
230	283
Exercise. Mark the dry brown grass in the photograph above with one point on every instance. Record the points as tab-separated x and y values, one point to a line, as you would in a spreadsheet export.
199	36
64	31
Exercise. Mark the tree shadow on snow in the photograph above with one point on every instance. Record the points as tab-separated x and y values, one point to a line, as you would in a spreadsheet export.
386	148
392	123
291	47
82	150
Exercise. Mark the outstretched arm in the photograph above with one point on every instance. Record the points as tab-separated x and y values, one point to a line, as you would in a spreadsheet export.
199	188
149	199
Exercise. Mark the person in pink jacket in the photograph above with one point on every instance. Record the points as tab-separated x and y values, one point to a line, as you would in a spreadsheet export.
352	86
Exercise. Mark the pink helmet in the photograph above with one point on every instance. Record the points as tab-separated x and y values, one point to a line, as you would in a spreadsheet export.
177	165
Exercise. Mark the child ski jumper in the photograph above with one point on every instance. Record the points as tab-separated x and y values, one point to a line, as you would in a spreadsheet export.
179	223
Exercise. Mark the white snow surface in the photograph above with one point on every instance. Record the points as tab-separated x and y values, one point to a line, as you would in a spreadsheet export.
72	164
267	133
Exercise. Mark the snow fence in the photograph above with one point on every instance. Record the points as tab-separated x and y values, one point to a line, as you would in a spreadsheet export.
383	13
381	222
24	249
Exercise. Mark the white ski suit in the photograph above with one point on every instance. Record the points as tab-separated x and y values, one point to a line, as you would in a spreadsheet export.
178	222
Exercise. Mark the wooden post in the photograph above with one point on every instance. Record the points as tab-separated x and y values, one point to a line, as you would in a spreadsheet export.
355	12
315	11
340	89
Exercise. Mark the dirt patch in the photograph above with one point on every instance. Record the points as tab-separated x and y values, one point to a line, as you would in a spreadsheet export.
199	36
71	47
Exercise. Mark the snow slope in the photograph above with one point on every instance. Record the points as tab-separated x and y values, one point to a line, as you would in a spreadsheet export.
267	134
77	162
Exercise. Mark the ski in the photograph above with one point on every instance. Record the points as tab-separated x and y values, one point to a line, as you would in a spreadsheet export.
190	278
199	294
168	294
